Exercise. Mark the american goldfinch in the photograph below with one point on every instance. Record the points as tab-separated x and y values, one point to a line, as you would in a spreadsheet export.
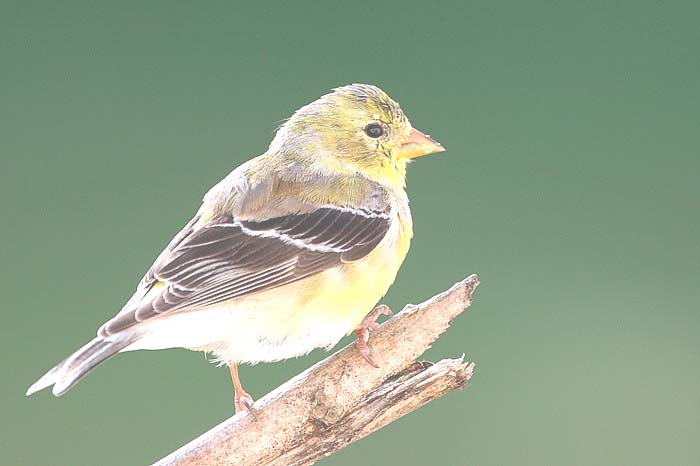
288	253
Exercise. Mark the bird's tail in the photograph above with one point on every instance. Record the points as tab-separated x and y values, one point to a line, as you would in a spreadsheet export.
67	373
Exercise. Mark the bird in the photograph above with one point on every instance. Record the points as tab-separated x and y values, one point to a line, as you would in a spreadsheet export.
291	251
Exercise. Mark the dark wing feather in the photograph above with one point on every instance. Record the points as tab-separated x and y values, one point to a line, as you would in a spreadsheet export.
229	258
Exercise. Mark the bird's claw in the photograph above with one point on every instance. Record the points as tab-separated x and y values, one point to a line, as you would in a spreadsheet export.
362	332
363	347
245	402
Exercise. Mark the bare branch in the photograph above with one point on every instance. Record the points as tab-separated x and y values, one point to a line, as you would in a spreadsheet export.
342	398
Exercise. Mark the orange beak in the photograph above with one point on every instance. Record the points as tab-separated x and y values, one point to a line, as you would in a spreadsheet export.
418	145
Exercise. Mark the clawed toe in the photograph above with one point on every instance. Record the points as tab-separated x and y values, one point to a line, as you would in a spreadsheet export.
245	402
363	347
362	332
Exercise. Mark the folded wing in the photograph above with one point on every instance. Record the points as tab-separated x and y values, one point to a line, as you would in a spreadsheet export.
229	258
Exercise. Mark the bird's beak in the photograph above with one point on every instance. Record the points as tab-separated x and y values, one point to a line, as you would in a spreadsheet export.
418	145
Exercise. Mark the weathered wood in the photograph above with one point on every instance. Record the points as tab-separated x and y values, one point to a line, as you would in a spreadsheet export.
342	398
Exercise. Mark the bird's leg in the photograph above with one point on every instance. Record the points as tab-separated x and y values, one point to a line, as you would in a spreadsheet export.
241	398
362	331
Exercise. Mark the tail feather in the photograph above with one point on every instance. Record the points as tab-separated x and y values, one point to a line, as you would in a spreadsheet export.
69	372
46	380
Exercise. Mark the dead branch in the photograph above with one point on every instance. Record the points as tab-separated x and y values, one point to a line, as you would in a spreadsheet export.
342	398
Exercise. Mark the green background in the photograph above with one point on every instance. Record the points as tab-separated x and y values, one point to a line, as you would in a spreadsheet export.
570	185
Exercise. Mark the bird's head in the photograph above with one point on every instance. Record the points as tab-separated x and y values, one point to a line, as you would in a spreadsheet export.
356	128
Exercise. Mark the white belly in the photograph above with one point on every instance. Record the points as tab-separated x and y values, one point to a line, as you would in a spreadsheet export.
278	324
253	330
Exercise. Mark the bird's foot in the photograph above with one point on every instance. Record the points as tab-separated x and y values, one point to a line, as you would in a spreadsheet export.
362	332
244	402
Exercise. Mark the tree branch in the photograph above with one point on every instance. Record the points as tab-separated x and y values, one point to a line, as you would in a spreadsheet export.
342	398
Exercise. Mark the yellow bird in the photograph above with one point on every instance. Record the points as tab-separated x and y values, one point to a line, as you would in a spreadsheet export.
288	253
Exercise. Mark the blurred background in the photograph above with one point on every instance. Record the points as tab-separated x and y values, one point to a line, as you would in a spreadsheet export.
570	185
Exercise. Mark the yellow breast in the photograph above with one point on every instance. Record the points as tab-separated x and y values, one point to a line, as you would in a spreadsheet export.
349	292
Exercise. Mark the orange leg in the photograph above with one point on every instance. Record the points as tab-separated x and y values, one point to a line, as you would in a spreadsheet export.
241	398
362	332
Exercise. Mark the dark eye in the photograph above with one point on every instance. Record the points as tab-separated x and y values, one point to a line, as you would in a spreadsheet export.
374	130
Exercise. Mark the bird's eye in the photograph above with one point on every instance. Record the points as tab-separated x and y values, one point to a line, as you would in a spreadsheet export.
374	130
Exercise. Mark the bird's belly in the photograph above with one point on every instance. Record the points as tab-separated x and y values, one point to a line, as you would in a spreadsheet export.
281	323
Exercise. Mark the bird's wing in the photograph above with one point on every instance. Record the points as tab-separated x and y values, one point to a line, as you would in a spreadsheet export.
230	257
